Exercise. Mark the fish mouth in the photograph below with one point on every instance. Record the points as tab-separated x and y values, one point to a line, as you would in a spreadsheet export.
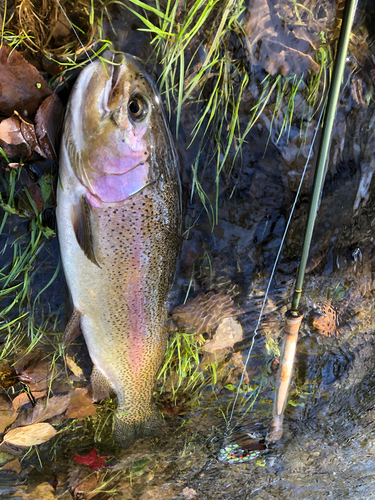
117	66
112	94
119	88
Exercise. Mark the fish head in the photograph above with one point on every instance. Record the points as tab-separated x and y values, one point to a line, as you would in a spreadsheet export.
116	135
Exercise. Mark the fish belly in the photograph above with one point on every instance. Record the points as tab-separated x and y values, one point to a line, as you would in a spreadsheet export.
122	300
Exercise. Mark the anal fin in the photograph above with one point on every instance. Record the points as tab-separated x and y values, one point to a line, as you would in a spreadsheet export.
101	386
72	329
81	218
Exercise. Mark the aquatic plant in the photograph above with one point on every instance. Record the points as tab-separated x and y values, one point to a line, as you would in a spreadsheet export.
181	367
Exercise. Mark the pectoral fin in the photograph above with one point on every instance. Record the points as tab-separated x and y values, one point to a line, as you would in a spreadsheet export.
72	329
81	217
101	386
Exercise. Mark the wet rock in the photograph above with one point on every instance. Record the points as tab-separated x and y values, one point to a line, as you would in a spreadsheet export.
227	334
205	312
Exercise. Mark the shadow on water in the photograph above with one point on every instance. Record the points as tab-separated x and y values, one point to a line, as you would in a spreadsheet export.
327	450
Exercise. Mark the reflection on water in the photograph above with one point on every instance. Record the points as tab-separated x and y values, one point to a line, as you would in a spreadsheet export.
327	449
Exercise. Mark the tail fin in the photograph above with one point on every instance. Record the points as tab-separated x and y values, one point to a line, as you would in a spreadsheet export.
126	430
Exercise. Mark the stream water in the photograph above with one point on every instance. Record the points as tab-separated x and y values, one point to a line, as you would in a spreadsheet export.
328	446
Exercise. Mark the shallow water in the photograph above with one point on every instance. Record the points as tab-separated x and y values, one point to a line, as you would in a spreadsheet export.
327	449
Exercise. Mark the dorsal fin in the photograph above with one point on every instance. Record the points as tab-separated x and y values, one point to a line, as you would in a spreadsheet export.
81	218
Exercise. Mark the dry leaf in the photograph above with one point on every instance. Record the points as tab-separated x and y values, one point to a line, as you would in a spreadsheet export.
47	125
29	134
45	410
78	372
227	334
14	465
22	399
19	137
30	435
82	481
22	87
11	139
326	319
52	67
172	409
81	405
33	371
10	131
90	487
43	491
7	417
4	403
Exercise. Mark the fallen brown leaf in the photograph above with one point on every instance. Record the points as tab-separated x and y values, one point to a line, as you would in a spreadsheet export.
32	371
52	67
326	319
22	87
20	137
13	465
11	139
10	131
29	134
89	487
43	491
30	435
46	409
22	399
47	125
81	405
172	409
72	365
4	403
7	417
82	481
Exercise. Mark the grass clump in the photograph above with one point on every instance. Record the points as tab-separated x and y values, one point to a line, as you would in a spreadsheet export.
200	46
180	371
29	268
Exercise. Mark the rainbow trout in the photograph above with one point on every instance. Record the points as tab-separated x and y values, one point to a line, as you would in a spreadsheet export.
119	220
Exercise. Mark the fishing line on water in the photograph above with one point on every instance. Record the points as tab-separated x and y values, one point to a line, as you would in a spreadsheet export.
274	268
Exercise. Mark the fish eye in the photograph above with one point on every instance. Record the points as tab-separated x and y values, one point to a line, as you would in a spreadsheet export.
137	108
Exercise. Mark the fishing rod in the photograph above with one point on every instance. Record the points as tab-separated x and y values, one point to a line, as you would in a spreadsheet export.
293	317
